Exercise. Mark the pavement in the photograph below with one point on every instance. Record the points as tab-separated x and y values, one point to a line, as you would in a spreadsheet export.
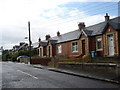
79	74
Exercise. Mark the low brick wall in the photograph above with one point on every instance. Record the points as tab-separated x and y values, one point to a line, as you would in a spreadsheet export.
103	69
42	61
24	60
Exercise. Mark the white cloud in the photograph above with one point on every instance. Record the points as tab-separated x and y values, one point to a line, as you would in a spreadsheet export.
14	15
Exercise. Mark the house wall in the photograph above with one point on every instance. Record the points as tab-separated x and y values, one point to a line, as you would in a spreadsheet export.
108	31
92	44
67	49
119	42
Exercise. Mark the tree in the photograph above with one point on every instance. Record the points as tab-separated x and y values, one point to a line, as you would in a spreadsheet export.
24	53
6	56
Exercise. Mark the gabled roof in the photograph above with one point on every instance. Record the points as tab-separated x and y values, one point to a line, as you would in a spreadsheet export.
99	28
115	23
23	46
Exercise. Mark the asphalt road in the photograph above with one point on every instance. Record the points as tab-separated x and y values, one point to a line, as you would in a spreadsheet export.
16	75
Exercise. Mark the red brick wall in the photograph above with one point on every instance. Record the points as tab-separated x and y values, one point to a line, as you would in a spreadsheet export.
92	44
119	42
67	49
42	61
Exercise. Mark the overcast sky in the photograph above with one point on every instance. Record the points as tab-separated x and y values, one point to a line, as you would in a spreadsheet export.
48	17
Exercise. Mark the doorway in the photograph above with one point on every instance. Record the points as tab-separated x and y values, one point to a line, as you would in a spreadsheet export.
83	47
110	45
49	51
40	52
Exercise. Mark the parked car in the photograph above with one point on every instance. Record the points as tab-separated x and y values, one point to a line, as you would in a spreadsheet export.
20	57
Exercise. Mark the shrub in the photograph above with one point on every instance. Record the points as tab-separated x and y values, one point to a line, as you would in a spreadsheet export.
86	58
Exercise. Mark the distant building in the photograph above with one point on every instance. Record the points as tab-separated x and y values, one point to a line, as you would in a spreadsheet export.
20	47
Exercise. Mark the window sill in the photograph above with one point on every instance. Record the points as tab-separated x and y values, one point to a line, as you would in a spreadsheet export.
74	51
99	49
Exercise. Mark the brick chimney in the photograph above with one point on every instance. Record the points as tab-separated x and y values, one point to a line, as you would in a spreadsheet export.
81	25
107	17
47	37
21	43
39	40
58	33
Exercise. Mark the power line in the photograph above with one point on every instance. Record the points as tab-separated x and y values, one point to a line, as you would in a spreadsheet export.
76	17
87	11
52	20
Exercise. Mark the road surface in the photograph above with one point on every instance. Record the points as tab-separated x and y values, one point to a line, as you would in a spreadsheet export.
17	75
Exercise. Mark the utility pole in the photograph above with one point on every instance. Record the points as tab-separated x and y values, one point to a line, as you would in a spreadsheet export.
29	40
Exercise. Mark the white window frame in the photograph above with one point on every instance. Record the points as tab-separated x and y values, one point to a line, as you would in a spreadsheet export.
59	48
75	47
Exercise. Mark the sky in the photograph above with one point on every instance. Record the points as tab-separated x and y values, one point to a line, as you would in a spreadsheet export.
48	17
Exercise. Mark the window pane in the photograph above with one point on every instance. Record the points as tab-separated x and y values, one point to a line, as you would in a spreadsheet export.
59	49
74	47
99	43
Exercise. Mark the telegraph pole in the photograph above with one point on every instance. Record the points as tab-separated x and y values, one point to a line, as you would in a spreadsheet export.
29	40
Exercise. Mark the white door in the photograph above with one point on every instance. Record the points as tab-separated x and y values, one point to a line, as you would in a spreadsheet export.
111	45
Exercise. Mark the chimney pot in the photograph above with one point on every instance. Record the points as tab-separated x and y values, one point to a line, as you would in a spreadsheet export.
39	39
107	17
58	33
21	43
47	37
81	25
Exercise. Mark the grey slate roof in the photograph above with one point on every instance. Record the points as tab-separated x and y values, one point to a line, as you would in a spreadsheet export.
24	46
43	43
115	23
96	29
93	30
35	45
73	35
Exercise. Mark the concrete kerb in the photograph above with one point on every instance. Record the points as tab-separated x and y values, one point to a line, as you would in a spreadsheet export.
76	74
82	75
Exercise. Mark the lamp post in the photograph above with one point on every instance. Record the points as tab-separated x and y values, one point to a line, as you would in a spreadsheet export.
29	40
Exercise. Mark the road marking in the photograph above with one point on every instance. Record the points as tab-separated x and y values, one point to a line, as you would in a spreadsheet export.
27	74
